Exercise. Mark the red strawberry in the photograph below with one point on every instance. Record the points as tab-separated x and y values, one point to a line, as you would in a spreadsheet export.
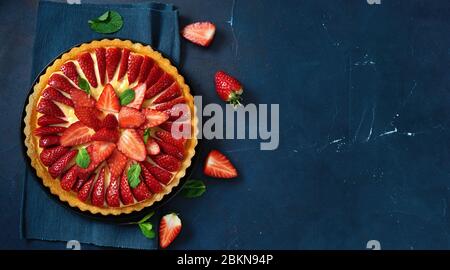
48	141
116	163
154	118
112	192
51	130
131	145
125	191
152	184
134	67
110	121
123	63
80	181
88	116
85	190
87	66
228	88
112	60
152	147
69	178
167	162
60	82
81	98
100	54
70	70
165	81
98	191
47	107
161	175
106	134
51	155
146	66
171	150
46	120
155	73
169	228
167	137
169	104
141	192
171	92
130	118
101	151
58	167
108	100
77	133
200	33
217	165
139	94
179	126
53	94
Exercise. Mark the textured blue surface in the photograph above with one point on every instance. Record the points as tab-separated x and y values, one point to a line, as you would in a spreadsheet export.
364	153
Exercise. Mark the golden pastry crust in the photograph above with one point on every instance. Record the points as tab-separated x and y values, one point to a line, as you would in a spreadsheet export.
31	123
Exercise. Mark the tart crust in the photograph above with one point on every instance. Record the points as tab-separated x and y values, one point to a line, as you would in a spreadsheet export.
31	141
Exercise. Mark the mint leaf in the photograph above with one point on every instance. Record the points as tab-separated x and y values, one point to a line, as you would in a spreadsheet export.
147	230
107	23
133	175
193	189
83	159
146	135
147	217
84	85
126	97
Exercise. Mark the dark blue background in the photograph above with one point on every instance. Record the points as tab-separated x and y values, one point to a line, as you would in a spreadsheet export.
364	124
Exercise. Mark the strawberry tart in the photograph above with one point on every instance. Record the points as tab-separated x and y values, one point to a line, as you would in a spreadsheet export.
99	127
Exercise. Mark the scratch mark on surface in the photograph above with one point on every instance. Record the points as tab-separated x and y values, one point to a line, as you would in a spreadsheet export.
395	130
231	22
371	123
360	124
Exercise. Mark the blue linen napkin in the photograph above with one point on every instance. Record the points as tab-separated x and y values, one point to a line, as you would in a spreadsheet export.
59	27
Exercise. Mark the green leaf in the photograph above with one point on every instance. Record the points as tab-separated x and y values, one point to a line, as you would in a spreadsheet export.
147	217
193	189
146	135
83	159
126	97
147	230
107	23
133	175
84	85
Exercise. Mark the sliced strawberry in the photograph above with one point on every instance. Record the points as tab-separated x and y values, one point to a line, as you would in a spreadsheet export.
46	120
123	63
141	192
153	185
130	118
106	134
70	70
98	191
152	147
139	94
165	81
101	151
171	92
180	112
47	107
100	54
87	66
169	228
81	98
160	174
200	33
125	192
53	94
171	150
60	82
58	167
108	100
112	61
154	118
76	134
131	145
167	137
69	178
217	165
179	126
88	116
146	66
169	104
116	163
51	155
51	130
134	67
112	192
80	181
110	121
85	190
153	76
167	162
47	141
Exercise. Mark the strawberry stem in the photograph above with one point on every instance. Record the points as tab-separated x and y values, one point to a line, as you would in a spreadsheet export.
234	99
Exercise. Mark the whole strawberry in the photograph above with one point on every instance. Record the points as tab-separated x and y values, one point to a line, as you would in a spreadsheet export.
228	88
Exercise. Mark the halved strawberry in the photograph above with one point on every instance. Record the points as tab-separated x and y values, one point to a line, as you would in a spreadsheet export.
167	162
108	100
169	228
154	118
152	147
110	121
60	82
85	190
123	63
53	94
153	76
80	181
70	70
81	98
51	130
69	178
160	174
112	60
134	67
76	134
139	94
131	145
217	165
116	163
87	66
107	135
112	192
58	167
130	118
125	192
165	81
141	192
153	185
167	137
170	93
179	113
171	150
169	104
200	33
98	191
100	54
177	127
101	151
46	120
47	141
88	116
51	155
146	66
47	107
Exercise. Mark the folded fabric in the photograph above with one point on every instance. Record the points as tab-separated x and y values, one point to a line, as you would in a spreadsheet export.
59	27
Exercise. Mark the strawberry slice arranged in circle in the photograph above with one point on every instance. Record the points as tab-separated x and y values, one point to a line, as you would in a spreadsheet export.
125	191
87	66
165	81
100	54
152	147
53	94
167	162
112	61
60	82
146	66
123	63
51	155
141	192
131	145
88	116
169	228
98	191
154	118
153	76
108	100
50	130
217	165
112	192
69	178
152	184
81	98
130	118
107	135
76	134
101	151
139	95
134	67
58	167
48	107
116	163
85	190
48	141
161	175
110	121
46	120
171	92
70	70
